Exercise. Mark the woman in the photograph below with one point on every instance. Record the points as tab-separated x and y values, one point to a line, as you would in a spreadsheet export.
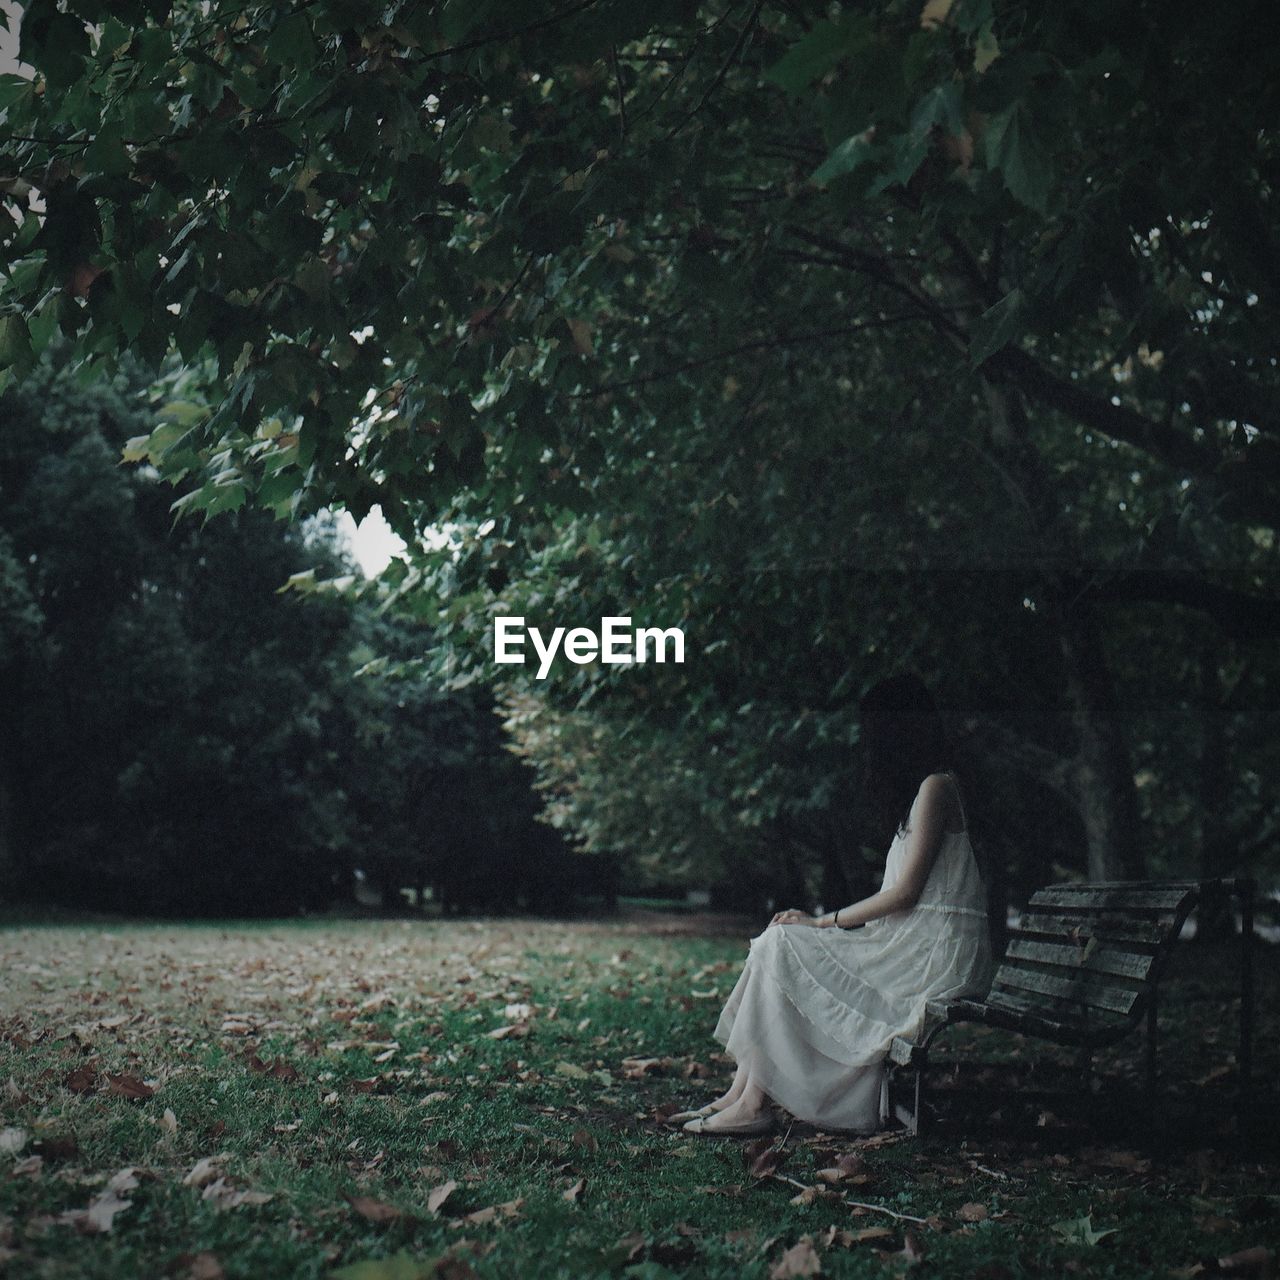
820	1000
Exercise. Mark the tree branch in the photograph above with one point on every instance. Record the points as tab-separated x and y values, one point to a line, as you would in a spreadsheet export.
1239	614
760	344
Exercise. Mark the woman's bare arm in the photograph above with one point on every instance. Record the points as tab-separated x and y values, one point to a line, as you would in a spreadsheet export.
933	811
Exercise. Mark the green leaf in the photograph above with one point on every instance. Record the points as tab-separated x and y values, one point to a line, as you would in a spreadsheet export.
844	158
996	327
15	345
55	43
986	49
940	106
291	44
400	1266
1080	1230
815	54
1012	147
13	89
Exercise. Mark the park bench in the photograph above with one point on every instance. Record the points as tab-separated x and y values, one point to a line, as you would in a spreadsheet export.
1081	969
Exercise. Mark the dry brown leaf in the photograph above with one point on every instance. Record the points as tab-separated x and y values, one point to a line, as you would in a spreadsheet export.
973	1212
481	1217
438	1195
585	1139
763	1163
201	1266
374	1210
1256	1263
84	1079
872	1233
910	1255
223	1196
451	1268
203	1171
58	1148
630	1248
815	1195
129	1086
800	1260
574	1193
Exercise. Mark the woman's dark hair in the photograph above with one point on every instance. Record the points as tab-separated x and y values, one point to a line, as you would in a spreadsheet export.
904	742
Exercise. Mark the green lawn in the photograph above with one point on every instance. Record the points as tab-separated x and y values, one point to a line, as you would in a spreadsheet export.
313	1065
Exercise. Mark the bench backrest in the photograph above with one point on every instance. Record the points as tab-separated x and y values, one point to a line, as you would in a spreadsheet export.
1088	955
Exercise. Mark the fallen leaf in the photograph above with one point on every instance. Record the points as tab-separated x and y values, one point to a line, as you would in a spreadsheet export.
125	1180
168	1121
800	1260
585	1139
972	1212
438	1195
1257	1263
453	1269
508	1209
872	1233
223	1196
12	1141
83	1079
910	1255
629	1248
58	1148
574	1193
815	1195
572	1071
203	1171
127	1086
374	1210
765	1162
200	1266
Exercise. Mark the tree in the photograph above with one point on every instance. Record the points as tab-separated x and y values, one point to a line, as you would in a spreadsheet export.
476	267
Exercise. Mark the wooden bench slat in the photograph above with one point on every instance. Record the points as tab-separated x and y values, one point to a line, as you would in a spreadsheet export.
1080	989
1098	897
1109	929
1041	1015
1072	958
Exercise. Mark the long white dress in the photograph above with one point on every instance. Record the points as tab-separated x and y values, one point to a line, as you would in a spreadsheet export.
815	1010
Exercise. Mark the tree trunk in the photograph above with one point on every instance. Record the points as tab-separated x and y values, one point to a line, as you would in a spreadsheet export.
1102	773
1217	856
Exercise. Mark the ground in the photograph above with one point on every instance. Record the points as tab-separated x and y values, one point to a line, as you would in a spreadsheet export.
411	1099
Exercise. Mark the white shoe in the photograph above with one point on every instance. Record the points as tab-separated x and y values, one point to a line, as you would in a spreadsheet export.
681	1116
752	1129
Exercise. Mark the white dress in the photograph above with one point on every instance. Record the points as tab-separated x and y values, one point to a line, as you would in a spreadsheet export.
815	1010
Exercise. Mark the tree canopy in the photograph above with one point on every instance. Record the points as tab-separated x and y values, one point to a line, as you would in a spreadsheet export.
771	315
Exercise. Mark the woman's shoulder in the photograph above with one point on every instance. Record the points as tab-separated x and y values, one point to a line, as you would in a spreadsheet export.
941	790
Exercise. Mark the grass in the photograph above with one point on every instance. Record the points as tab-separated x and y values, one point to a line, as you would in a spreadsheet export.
330	1061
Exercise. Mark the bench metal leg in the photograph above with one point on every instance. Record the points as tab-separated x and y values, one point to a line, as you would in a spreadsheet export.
911	1118
1151	1053
919	1126
1244	1060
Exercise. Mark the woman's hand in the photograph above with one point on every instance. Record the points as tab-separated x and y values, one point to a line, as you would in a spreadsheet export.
793	917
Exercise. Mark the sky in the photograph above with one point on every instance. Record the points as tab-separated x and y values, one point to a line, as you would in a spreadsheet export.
372	541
